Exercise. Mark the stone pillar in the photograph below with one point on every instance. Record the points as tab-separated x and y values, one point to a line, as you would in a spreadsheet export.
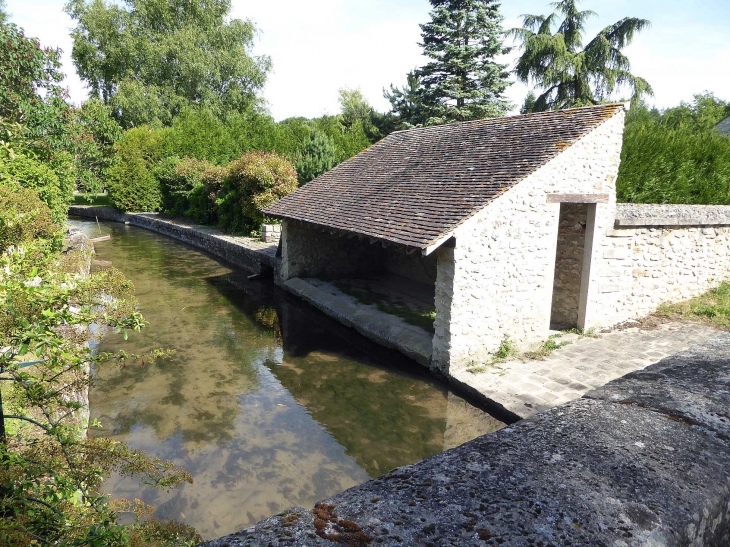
270	233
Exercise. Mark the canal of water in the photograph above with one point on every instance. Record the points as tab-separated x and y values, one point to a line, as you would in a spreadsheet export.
266	402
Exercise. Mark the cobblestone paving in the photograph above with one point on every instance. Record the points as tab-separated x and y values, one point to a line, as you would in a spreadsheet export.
526	387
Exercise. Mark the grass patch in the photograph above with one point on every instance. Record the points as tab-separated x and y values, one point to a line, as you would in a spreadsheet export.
713	307
507	350
92	199
369	297
547	347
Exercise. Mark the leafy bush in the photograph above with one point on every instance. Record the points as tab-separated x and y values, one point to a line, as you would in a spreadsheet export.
675	156
132	185
29	173
190	187
23	217
252	183
93	133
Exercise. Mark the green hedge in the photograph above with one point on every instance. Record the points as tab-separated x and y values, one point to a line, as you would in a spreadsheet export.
676	156
24	218
54	190
190	188
132	185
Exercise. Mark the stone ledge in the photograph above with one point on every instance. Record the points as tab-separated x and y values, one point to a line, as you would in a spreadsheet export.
244	252
385	329
634	215
652	470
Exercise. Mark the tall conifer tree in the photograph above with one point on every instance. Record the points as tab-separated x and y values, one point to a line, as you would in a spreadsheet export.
463	81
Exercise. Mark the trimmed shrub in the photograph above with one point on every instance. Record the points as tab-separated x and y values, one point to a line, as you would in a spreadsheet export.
132	185
190	187
252	183
55	192
24	218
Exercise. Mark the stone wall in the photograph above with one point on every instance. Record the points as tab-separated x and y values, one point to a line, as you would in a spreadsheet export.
244	252
643	461
503	262
310	251
724	126
661	254
569	264
270	233
422	269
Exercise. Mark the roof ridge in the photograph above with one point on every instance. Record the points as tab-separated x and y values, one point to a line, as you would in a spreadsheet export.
510	117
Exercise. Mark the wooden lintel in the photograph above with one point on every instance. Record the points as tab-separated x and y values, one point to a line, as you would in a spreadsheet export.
577	198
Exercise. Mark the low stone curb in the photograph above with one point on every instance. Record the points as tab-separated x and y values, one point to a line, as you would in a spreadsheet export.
644	460
385	329
246	253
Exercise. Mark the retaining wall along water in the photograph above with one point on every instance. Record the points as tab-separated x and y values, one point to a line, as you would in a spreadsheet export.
645	460
245	252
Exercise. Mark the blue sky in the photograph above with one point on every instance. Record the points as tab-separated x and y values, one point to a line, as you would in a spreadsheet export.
320	46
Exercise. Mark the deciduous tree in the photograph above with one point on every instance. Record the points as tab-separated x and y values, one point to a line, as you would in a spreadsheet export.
150	58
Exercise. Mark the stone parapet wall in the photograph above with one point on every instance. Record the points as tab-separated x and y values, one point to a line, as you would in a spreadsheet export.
244	252
643	461
659	254
648	215
270	233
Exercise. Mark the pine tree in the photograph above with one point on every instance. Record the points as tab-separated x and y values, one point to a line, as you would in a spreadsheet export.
318	156
568	73
463	81
405	102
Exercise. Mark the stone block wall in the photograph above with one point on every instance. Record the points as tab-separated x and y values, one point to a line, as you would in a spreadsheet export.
504	259
661	254
270	233
309	251
569	264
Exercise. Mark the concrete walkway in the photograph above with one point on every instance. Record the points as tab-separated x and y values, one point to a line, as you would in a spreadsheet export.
526	387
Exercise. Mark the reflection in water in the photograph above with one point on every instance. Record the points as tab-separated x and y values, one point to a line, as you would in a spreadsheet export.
266	402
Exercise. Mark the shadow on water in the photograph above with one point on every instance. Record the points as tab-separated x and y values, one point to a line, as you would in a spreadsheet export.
266	402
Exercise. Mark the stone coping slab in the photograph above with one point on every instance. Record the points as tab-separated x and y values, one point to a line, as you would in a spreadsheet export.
635	214
385	329
244	252
596	471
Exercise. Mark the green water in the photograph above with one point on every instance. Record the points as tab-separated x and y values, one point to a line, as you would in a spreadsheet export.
267	402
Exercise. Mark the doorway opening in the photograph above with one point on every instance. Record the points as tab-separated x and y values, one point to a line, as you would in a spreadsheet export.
572	264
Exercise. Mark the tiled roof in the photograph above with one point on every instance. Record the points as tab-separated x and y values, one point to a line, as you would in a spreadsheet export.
415	186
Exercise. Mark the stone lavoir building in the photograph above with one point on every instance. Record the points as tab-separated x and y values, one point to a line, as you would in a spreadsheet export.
505	228
724	127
